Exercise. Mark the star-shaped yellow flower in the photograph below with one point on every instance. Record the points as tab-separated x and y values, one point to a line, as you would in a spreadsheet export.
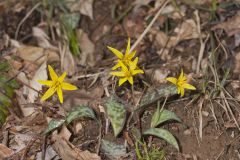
127	73
56	84
123	58
181	83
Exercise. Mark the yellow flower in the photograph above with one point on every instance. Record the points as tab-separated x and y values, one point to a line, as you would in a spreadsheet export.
123	58
56	84
181	83
127	73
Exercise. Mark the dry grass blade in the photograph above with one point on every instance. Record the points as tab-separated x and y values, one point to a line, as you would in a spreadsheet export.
149	26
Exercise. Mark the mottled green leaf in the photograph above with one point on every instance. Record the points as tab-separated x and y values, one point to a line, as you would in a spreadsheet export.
156	94
3	116
4	100
80	111
164	134
116	113
136	133
70	21
14	84
54	124
112	150
163	116
4	66
4	109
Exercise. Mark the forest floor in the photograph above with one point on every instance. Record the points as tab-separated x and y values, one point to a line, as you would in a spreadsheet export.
100	119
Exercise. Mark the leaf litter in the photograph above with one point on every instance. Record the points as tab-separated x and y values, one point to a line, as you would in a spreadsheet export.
204	46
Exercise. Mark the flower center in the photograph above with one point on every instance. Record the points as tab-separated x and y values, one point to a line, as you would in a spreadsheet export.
57	84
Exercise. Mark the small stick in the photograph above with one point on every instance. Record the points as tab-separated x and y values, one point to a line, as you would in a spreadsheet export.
149	26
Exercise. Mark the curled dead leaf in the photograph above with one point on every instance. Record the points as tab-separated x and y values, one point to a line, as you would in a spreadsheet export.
87	48
42	38
67	151
67	61
231	26
36	54
83	6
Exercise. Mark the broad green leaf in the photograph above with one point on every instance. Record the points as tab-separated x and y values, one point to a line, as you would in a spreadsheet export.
112	150
53	124
116	113
164	134
163	116
80	111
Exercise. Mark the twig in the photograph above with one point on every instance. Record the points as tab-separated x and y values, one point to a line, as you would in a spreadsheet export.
149	26
43	148
24	19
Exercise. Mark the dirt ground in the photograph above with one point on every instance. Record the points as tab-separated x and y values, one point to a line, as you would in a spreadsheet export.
210	115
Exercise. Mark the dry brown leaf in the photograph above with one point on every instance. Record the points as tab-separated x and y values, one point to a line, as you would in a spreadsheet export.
20	141
40	74
5	151
20	95
36	54
67	61
42	38
83	6
65	133
187	30
50	154
139	3
68	151
236	68
81	96
87	48
231	26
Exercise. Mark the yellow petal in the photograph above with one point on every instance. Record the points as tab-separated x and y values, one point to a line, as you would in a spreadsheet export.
188	86
61	78
116	66
48	93
121	81
124	67
128	47
116	52
182	77
181	91
139	71
68	86
130	80
52	73
131	55
60	94
133	64
172	80
178	90
119	74
45	82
